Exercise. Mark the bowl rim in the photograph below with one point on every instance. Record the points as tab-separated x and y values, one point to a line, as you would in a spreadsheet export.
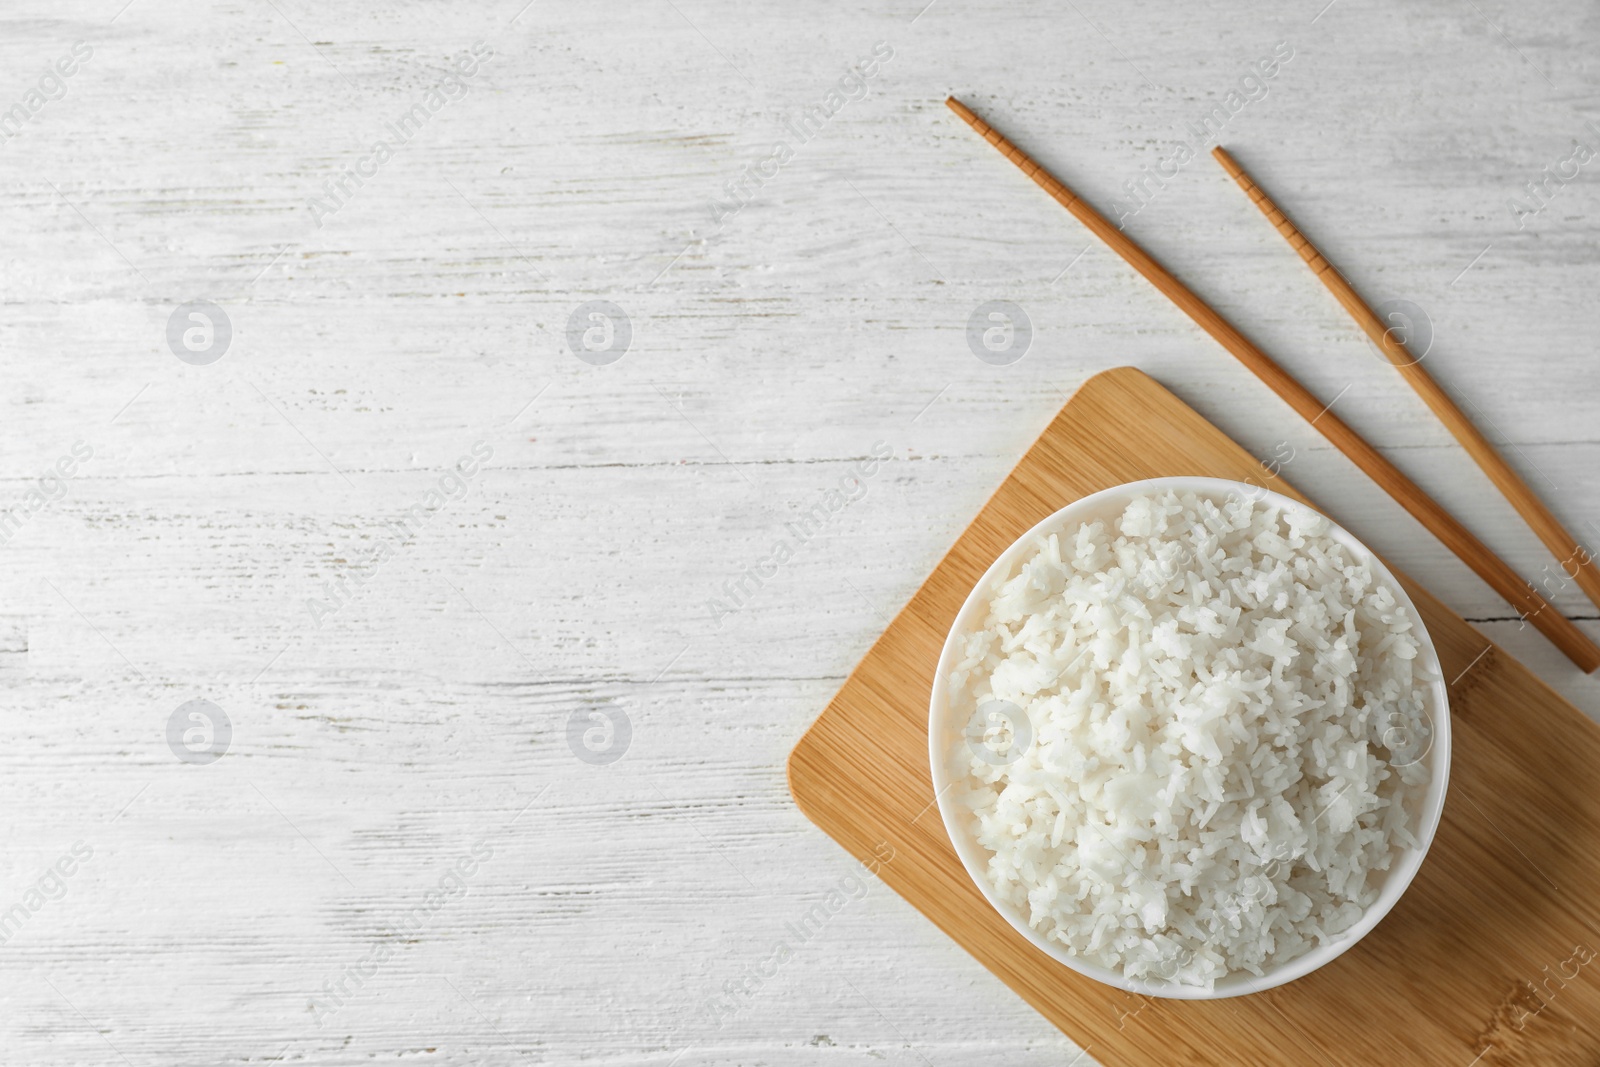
1406	862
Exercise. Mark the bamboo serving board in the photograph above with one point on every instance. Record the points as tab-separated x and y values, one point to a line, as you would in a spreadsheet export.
1489	959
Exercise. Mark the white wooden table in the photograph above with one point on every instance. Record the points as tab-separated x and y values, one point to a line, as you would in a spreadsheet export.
408	852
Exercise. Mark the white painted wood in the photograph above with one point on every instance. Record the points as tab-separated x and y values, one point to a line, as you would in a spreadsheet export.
769	354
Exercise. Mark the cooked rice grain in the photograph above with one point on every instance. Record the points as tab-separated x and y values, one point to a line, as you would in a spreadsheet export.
1223	731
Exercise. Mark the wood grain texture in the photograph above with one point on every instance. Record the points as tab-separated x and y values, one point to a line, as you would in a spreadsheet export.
1436	983
1567	549
769	353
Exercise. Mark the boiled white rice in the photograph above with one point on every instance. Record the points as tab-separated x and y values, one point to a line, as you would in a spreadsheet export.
1193	737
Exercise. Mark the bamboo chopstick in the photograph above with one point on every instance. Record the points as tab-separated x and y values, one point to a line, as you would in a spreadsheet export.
1474	553
1533	510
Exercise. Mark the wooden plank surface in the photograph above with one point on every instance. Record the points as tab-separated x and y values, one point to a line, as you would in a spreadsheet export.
1483	960
769	352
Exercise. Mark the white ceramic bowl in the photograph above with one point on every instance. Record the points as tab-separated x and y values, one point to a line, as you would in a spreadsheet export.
946	738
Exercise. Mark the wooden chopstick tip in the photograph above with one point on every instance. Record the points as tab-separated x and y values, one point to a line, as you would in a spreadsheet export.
961	109
1229	164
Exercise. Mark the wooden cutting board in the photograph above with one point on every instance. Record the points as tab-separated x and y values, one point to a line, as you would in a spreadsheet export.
1489	959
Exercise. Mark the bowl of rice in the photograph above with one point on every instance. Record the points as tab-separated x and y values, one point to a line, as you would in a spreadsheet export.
1190	738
